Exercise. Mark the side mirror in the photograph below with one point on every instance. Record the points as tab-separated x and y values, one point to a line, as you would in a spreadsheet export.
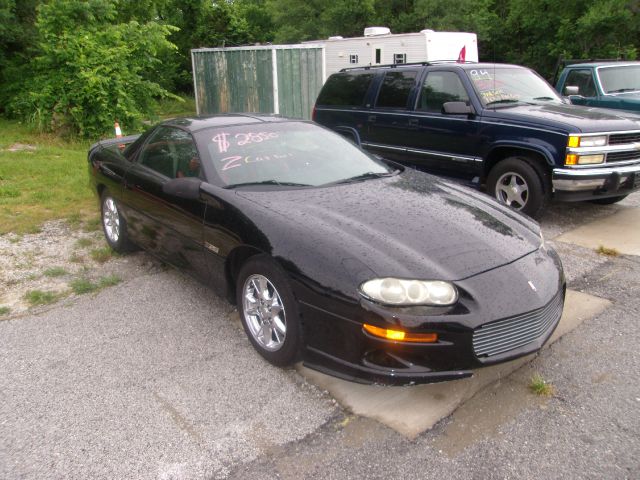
571	90
456	108
187	188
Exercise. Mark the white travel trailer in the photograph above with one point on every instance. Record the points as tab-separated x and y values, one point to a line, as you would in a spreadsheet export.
379	46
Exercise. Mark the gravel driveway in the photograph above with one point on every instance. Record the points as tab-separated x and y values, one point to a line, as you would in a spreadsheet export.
153	378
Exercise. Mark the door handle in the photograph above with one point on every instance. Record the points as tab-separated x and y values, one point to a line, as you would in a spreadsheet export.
413	122
371	119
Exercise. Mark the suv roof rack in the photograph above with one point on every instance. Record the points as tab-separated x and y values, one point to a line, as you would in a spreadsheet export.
396	65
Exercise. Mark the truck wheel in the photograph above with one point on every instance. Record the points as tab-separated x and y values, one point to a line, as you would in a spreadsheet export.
520	184
609	200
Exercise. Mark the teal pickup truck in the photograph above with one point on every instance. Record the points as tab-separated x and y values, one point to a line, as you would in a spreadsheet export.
604	84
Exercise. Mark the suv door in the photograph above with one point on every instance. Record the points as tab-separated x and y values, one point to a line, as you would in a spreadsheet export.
387	124
443	141
587	92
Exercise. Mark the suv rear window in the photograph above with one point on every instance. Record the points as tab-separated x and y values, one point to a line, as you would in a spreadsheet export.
347	88
395	89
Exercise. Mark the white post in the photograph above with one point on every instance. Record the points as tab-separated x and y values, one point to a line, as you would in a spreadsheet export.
274	65
195	87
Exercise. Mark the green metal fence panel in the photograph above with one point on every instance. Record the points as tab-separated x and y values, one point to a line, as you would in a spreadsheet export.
299	80
233	81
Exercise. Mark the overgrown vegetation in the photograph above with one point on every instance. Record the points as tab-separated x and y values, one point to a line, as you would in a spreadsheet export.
4	310
102	254
82	285
55	272
75	66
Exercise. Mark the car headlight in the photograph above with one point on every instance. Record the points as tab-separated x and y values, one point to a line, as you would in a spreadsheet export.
395	291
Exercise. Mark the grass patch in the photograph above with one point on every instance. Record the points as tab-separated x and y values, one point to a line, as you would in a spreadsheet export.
83	285
40	297
75	258
609	252
4	310
102	255
43	184
109	281
171	107
540	386
83	242
55	272
92	225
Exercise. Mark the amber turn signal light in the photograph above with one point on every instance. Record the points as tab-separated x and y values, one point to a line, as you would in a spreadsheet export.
400	336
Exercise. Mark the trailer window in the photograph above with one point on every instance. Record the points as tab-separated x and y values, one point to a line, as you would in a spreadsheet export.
399	58
353	58
395	89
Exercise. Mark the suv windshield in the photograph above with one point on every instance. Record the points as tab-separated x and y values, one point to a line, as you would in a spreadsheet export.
505	86
620	79
294	154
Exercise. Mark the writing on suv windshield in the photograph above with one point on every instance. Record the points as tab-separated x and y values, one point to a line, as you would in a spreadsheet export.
285	154
510	86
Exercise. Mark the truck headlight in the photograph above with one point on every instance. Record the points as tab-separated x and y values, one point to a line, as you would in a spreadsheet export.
575	159
580	141
397	292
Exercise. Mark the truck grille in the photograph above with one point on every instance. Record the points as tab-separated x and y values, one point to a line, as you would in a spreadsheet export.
622	156
620	138
510	333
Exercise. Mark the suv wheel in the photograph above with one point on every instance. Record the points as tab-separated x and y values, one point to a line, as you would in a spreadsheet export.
517	182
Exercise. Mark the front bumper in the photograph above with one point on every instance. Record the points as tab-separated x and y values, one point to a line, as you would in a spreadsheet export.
497	300
593	183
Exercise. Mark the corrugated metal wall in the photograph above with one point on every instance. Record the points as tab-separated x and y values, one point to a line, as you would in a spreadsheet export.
242	80
299	80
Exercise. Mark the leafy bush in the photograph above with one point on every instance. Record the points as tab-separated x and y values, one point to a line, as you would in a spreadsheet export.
89	70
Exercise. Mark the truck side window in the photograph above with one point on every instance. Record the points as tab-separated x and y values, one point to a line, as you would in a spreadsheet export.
441	87
583	79
395	89
345	89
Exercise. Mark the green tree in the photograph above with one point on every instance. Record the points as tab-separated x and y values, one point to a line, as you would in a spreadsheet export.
89	70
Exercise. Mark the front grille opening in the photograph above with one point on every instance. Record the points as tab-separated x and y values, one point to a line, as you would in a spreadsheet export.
514	332
380	358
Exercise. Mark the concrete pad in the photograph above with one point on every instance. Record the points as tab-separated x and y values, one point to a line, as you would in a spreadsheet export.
413	410
620	231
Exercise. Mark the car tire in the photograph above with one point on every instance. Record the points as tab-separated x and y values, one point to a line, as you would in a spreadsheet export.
268	310
114	225
609	200
521	184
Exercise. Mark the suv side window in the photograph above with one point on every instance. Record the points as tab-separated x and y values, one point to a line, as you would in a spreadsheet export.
170	152
346	89
441	87
583	79
396	88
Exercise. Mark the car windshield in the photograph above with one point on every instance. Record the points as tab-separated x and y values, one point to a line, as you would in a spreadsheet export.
510	86
620	79
294	154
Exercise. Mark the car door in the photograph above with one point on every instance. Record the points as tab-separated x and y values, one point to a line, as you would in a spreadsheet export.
167	226
387	123
443	141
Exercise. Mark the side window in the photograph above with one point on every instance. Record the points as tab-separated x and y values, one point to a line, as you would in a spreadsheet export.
396	88
172	153
441	87
346	89
583	79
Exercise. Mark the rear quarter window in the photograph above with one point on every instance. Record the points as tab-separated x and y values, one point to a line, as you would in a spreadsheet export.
345	89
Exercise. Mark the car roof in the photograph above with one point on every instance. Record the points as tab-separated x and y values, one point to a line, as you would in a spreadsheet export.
194	124
465	66
621	63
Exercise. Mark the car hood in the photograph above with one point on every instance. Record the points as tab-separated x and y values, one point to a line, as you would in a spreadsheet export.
570	118
411	225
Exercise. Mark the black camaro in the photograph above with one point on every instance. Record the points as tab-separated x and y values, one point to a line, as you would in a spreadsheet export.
360	267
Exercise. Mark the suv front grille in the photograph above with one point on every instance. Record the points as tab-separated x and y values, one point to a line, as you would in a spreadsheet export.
621	138
510	333
622	156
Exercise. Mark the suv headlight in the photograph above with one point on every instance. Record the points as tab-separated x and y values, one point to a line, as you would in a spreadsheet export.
593	141
397	292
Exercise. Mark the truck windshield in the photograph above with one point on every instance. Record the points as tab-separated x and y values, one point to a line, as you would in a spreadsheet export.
510	86
621	79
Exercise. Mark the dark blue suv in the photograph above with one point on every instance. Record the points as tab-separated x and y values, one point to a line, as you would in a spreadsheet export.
501	126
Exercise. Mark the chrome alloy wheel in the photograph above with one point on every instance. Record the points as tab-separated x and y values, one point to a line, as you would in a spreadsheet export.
512	190
264	313
111	220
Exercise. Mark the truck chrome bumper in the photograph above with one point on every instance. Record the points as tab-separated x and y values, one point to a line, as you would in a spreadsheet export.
602	179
